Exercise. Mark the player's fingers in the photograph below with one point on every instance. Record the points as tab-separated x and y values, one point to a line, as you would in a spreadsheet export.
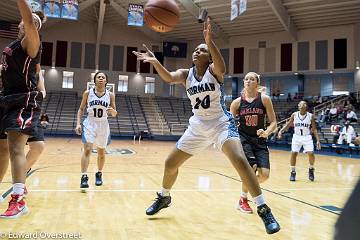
147	49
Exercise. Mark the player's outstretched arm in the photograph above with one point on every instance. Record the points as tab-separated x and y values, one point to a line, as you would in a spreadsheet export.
31	41
287	125
81	111
218	66
234	107
177	77
41	83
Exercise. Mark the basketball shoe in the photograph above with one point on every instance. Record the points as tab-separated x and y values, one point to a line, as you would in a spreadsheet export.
98	179
292	176
244	205
84	183
160	203
271	225
17	207
311	174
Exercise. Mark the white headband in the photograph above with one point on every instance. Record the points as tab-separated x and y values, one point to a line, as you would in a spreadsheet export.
38	18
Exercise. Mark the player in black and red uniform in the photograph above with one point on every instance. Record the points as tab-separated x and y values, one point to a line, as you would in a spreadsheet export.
21	99
251	109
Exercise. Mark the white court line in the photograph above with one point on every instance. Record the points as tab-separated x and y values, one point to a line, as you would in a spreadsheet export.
183	190
310	189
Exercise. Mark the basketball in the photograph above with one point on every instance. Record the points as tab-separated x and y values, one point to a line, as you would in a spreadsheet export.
161	15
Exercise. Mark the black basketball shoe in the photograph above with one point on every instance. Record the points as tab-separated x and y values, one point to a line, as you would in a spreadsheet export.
292	176
160	203
98	179
271	225
311	174
84	183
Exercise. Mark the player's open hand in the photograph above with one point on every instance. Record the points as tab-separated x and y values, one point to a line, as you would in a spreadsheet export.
318	145
78	129
262	133
111	112
147	56
207	31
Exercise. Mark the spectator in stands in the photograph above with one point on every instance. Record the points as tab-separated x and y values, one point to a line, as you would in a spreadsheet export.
350	114
340	108
333	113
296	96
278	94
319	100
354	101
289	97
347	134
335	132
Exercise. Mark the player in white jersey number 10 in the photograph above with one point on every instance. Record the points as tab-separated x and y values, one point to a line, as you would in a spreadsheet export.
95	128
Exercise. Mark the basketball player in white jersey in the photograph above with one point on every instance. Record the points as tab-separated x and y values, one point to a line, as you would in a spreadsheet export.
95	129
210	124
304	123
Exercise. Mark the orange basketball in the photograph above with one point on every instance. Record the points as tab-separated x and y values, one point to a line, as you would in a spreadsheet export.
161	15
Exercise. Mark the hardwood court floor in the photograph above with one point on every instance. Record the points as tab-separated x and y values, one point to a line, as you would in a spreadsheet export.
204	197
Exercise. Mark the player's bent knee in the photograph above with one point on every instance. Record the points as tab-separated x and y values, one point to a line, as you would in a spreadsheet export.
171	165
101	152
37	146
264	175
87	150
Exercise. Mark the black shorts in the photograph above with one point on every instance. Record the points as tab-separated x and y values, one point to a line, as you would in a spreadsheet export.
22	112
39	136
256	151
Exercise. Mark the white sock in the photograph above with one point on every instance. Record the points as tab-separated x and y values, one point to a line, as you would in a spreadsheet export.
18	188
292	168
311	167
243	194
83	173
165	192
259	200
99	170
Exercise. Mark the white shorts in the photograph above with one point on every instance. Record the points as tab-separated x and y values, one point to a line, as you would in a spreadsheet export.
202	133
96	132
302	141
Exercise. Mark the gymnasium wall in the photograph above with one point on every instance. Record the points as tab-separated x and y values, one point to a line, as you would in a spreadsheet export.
265	60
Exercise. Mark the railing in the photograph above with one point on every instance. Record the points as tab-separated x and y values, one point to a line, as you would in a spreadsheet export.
178	128
158	114
323	105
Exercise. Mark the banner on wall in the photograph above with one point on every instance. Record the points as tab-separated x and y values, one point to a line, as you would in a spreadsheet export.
35	5
52	8
174	49
238	7
70	9
135	15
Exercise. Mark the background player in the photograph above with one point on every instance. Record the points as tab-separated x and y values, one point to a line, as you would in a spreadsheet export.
250	109
95	129
210	124
303	122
